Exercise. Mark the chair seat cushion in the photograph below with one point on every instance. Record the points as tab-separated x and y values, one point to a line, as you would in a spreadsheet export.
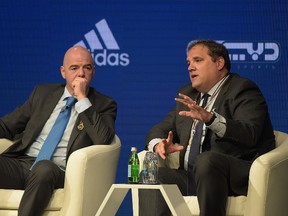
10	199
235	205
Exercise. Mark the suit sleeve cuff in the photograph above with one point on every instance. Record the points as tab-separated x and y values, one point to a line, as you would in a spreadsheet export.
82	105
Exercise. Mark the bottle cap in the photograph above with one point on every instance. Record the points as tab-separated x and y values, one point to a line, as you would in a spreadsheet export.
133	149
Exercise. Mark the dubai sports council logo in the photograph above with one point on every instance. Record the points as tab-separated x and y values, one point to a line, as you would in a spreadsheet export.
253	52
103	46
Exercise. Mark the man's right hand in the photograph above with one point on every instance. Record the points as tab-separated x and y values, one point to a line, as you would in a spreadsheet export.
80	87
166	146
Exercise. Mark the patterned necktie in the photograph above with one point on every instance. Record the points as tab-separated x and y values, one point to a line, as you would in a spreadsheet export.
195	147
56	132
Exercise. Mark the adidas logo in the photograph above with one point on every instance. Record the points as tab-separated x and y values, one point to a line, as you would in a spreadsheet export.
103	46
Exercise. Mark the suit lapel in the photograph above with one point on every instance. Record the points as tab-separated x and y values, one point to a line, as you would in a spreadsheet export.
79	126
49	103
75	132
222	93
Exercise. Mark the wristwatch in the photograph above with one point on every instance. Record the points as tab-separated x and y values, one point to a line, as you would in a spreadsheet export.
212	119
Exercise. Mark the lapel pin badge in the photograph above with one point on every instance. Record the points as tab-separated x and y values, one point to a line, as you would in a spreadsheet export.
80	126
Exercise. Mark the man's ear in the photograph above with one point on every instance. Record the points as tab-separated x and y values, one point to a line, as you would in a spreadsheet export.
220	63
62	69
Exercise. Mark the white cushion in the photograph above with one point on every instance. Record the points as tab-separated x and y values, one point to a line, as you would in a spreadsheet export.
10	199
235	205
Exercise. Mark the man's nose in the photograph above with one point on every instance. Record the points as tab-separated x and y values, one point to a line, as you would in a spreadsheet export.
191	67
81	72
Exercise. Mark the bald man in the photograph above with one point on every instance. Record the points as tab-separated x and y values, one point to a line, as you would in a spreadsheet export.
93	111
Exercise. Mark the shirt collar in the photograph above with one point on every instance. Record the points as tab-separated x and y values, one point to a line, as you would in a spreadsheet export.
216	86
65	94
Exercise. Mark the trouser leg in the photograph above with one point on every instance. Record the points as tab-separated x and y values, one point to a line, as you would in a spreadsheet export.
40	184
217	176
151	202
12	173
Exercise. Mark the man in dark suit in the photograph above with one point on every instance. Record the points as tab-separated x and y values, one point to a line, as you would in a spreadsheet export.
91	122
235	129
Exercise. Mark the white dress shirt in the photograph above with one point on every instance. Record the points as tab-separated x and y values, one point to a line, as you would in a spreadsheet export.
59	156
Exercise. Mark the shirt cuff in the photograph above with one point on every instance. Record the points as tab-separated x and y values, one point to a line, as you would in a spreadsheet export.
82	105
152	144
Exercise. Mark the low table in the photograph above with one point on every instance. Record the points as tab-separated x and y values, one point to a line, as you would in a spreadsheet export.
117	193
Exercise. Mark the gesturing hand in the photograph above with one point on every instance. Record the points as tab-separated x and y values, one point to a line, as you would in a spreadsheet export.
196	111
166	146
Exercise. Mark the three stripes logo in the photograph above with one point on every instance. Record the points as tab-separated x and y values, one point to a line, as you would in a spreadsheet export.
103	46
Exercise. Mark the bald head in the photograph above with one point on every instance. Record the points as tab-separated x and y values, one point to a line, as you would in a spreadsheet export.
78	69
77	51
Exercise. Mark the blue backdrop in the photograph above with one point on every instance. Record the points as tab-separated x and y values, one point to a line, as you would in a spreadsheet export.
139	47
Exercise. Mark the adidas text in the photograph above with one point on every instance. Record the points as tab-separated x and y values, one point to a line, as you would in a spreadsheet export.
111	59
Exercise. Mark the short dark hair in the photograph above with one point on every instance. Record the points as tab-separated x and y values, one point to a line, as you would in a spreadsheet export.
215	50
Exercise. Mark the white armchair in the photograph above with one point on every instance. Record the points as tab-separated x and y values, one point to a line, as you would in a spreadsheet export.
89	175
267	190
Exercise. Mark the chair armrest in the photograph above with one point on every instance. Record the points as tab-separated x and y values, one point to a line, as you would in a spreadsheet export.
4	144
89	175
267	194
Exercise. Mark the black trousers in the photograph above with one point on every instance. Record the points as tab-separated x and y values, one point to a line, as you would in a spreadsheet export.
216	175
38	184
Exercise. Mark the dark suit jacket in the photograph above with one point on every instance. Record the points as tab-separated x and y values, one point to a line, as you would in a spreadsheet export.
29	119
249	130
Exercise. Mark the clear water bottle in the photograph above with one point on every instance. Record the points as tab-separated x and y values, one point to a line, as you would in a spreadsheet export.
133	167
150	168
